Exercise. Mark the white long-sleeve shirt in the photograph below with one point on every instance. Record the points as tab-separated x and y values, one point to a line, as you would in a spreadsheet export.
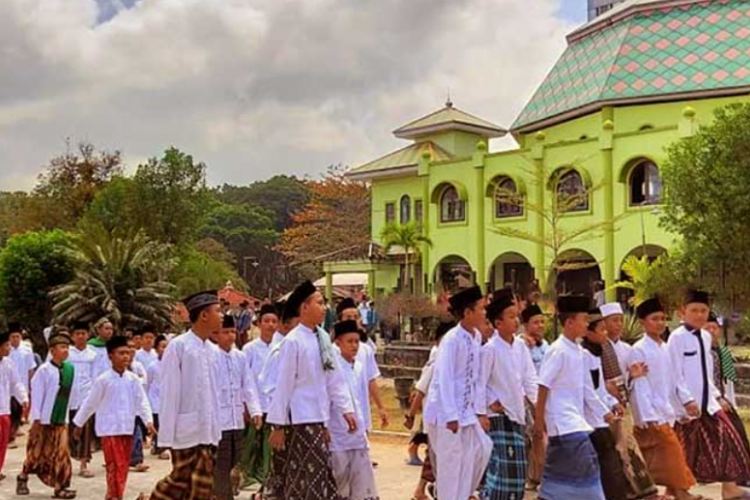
102	364
655	396
596	376
366	357
116	399
45	385
139	371
189	411
355	380
510	377
570	389
623	351
269	374
146	358
10	386
153	386
303	387
83	364
237	390
694	368
23	359
425	378
456	392
256	353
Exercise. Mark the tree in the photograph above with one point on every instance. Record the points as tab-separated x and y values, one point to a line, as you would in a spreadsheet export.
706	179
73	178
282	195
409	238
120	276
32	264
337	216
115	206
197	271
21	212
172	197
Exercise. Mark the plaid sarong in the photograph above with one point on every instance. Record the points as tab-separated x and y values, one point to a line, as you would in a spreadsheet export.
506	473
48	456
192	475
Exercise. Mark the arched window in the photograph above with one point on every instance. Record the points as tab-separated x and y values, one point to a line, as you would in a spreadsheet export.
508	202
572	195
405	213
645	184
451	206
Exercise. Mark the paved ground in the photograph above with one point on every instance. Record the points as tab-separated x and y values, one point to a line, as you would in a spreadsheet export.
396	481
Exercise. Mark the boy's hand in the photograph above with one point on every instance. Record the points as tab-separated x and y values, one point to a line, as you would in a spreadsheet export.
610	417
276	439
151	430
540	428
452	426
77	432
258	422
693	409
484	422
383	418
351	421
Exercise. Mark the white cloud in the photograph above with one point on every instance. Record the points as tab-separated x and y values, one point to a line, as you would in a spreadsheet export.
253	87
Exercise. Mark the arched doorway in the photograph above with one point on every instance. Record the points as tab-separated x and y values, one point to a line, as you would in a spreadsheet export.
576	273
453	273
513	270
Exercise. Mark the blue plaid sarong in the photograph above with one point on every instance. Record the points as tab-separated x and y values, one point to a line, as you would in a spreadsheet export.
506	473
571	471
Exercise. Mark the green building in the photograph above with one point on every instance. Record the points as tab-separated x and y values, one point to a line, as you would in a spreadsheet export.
630	82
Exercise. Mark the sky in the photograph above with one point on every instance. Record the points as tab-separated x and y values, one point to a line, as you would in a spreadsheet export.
256	88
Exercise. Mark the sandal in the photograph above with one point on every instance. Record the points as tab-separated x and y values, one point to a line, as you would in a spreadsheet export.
86	474
65	494
22	486
141	468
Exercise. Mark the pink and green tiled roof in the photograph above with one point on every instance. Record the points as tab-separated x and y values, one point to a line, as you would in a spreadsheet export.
664	48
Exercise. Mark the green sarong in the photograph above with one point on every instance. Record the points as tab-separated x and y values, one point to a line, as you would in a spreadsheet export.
60	408
255	462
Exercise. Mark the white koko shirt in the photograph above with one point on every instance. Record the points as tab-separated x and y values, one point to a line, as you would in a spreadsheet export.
656	396
355	381
116	399
694	368
570	389
456	392
10	385
510	377
153	386
256	353
146	358
83	364
304	388
595	374
45	385
189	410
237	389
23	359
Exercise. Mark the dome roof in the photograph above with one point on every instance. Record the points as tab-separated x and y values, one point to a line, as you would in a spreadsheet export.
646	51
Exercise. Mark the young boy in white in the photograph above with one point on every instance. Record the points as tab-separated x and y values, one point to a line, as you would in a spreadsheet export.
82	356
10	386
350	451
457	402
116	397
153	391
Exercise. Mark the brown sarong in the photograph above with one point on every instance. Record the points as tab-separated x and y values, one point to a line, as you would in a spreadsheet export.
192	475
48	456
80	449
639	484
664	457
537	449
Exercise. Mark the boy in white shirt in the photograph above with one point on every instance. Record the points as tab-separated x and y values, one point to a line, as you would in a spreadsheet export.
82	357
238	395
47	453
727	460
350	451
455	414
153	391
510	378
652	398
571	470
23	359
10	387
308	383
146	355
116	397
136	368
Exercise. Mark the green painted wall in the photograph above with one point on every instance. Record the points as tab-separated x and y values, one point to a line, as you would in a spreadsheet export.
603	145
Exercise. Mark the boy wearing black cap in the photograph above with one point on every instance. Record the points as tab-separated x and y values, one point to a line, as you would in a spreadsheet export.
82	356
238	396
510	379
652	399
10	387
116	397
308	384
189	419
255	461
153	391
571	469
146	355
23	359
47	453
690	351
457	402
350	451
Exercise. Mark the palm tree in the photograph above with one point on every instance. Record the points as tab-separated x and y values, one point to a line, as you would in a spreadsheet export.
409	238
118	276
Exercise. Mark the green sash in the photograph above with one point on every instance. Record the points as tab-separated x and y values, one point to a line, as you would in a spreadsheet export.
97	342
60	409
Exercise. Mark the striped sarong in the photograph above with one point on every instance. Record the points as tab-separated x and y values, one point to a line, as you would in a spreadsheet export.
506	473
192	475
571	469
